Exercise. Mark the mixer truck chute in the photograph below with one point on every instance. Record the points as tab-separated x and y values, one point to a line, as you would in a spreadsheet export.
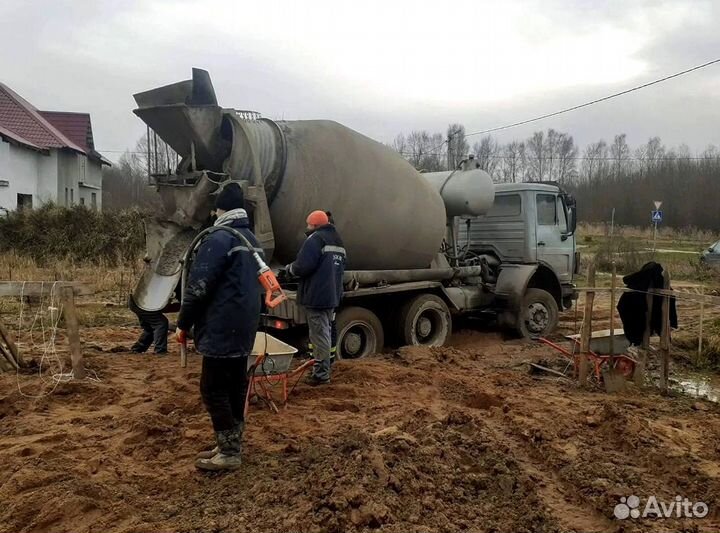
422	248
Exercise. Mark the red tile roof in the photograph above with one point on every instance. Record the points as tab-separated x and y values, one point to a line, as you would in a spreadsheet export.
75	126
24	124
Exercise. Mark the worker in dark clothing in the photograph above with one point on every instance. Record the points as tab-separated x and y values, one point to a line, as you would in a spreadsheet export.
320	265
632	306
154	326
333	322
222	302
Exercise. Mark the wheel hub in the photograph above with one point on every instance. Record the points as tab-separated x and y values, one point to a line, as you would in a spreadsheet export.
352	343
538	317
424	326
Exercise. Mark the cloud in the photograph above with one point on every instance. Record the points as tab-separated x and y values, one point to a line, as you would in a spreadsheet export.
380	67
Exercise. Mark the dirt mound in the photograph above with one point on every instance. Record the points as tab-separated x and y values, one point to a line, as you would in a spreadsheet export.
424	439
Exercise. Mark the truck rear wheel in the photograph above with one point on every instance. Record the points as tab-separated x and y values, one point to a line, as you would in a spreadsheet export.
359	333
425	320
538	314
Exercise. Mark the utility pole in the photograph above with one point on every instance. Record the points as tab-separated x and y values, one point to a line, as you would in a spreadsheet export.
449	152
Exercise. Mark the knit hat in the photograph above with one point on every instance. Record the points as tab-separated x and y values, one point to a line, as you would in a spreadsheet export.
230	197
317	218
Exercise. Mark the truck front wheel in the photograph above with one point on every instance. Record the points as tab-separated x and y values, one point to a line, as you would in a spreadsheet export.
425	320
538	314
359	332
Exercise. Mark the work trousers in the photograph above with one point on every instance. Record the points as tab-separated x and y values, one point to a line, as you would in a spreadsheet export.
223	387
320	330
155	330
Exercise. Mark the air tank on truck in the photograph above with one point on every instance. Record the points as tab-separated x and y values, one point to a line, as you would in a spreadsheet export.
421	248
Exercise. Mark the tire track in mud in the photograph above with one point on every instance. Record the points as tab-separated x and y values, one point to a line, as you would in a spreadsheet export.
554	492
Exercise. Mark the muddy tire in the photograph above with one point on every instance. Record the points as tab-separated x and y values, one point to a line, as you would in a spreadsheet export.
359	333
538	314
425	320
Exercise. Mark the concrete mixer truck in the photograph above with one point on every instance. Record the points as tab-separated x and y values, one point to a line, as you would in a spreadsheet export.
422	249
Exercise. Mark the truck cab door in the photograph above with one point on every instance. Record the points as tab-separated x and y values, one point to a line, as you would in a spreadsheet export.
554	247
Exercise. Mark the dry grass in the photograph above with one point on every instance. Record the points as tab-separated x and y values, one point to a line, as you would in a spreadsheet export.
107	279
664	233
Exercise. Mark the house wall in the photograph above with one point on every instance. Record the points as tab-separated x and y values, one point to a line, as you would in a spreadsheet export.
92	177
47	176
22	168
67	178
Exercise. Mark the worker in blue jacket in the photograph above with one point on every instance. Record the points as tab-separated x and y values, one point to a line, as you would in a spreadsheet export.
222	302
320	265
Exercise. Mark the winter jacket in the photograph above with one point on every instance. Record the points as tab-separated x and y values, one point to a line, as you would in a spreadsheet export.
320	265
632	306
222	297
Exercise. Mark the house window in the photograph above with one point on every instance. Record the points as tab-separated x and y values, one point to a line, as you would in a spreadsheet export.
67	197
93	200
24	201
72	196
82	201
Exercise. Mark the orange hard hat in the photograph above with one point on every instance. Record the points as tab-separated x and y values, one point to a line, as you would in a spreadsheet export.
318	218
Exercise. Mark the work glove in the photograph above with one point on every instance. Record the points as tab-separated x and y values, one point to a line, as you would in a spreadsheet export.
181	336
283	275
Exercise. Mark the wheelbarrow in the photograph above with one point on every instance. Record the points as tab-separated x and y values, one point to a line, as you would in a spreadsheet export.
623	362
269	365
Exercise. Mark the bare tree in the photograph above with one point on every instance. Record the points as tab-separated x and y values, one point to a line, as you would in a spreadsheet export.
620	155
457	145
513	161
563	153
595	162
535	150
399	144
487	154
424	151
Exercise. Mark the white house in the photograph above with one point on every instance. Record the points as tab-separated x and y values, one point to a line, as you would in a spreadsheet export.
46	156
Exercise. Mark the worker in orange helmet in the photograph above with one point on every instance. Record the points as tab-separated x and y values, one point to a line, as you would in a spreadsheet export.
320	265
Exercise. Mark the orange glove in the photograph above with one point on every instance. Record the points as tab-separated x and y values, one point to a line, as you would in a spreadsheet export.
181	336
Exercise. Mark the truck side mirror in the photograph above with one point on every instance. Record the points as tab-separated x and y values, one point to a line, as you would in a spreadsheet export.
573	220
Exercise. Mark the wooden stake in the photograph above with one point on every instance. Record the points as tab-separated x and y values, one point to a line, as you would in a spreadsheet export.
7	362
702	320
665	335
613	286
10	342
584	367
639	375
73	330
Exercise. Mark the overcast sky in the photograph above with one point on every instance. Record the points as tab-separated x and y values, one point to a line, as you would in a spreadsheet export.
380	67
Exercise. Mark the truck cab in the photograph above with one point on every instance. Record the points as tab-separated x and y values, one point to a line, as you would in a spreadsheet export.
529	223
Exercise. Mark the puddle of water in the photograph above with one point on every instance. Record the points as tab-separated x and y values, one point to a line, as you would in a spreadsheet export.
699	385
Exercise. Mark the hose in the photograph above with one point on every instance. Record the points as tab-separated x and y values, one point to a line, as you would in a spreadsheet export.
196	241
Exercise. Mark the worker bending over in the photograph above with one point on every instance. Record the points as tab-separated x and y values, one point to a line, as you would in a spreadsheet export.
320	265
222	302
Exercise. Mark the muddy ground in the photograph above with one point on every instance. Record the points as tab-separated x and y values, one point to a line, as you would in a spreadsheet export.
443	439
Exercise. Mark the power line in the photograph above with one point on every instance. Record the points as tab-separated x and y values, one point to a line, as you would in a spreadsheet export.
541	117
603	99
575	158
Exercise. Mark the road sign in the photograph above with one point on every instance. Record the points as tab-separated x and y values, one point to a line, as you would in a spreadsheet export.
657	203
656	216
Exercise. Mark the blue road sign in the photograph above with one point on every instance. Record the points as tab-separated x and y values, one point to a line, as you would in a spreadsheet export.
656	216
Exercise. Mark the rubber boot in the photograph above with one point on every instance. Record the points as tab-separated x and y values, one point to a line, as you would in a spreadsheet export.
209	454
320	373
228	456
